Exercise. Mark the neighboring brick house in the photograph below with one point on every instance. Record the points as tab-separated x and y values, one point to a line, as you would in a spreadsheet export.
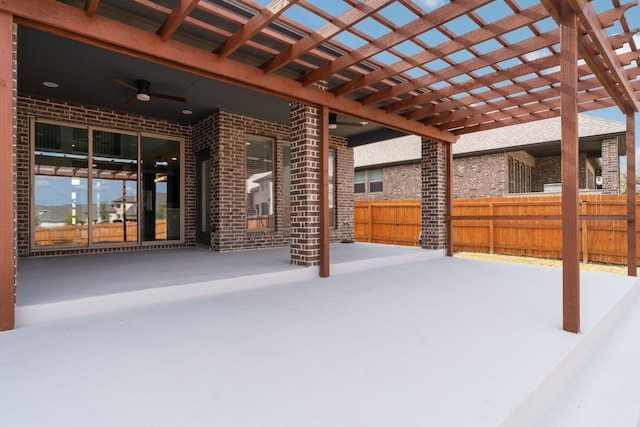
516	159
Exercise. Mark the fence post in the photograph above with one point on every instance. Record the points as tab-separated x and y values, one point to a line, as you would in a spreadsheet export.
585	233
370	222
491	250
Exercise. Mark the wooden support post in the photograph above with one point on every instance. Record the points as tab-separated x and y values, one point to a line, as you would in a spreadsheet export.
324	191
569	153
7	190
632	257
449	196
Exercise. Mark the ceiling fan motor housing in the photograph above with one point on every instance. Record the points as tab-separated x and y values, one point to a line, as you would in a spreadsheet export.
144	90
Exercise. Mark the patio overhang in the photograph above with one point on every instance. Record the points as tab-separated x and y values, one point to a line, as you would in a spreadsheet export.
434	73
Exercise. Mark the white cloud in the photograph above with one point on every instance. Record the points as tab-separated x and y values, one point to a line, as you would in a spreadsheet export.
432	4
532	56
626	47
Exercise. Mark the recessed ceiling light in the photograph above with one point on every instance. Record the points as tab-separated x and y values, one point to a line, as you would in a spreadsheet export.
50	84
187	112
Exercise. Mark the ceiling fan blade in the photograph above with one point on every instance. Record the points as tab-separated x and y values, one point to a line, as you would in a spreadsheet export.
356	124
127	85
131	100
170	97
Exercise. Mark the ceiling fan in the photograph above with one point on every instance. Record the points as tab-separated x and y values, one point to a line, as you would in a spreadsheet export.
334	123
144	94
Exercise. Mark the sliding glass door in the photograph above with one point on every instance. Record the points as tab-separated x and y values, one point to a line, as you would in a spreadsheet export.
88	184
161	195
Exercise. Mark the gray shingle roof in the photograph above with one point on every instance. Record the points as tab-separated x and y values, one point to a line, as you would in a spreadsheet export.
531	133
408	148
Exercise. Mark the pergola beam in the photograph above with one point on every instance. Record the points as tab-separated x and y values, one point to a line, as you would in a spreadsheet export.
253	26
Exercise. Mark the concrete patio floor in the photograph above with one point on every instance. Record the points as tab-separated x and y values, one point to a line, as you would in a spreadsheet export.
396	336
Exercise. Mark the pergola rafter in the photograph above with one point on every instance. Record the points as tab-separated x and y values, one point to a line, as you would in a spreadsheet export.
253	26
179	13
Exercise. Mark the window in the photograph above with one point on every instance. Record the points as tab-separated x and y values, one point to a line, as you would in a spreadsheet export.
359	182
375	180
87	185
259	183
519	176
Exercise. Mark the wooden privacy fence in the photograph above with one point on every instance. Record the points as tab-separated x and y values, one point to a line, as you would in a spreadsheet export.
104	232
601	240
395	222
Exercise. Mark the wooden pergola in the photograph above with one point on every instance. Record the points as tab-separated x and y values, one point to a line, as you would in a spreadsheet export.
465	66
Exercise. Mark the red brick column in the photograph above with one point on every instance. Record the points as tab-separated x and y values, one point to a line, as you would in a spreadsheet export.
305	185
610	166
434	195
8	103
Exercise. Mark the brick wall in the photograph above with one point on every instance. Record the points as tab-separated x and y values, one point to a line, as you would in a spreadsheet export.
305	185
523	157
479	176
229	227
590	174
434	230
344	182
547	171
610	167
398	182
205	135
225	135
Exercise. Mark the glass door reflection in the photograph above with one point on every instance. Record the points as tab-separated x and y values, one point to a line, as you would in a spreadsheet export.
114	188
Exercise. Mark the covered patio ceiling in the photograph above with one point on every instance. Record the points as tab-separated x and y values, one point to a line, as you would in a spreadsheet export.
435	69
